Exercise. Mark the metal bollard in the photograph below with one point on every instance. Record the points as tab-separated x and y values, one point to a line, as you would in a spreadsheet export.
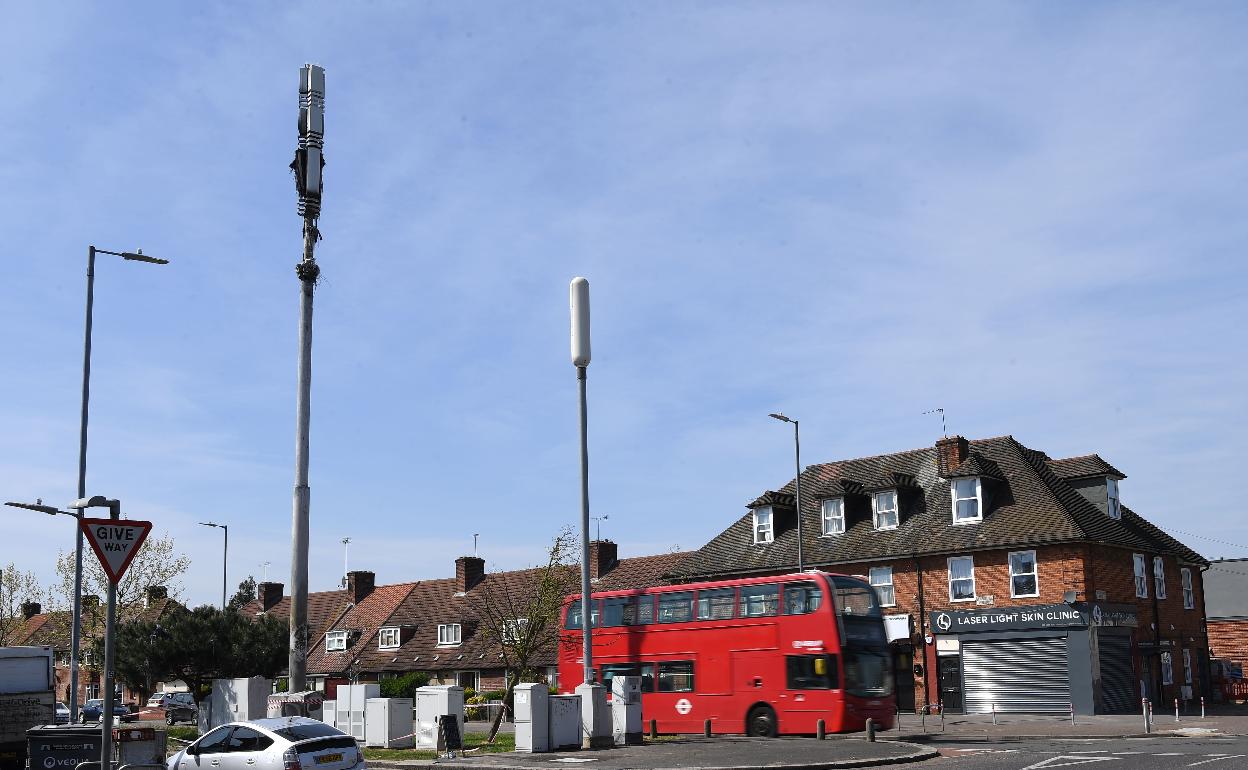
1202	707
706	728
1144	710
994	713
870	729
1176	709
1072	713
942	717
821	729
654	728
923	719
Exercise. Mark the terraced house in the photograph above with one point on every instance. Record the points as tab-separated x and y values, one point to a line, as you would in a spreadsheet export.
1010	580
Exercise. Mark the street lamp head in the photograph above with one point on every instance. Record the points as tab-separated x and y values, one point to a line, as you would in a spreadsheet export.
97	501
780	416
210	524
138	256
37	506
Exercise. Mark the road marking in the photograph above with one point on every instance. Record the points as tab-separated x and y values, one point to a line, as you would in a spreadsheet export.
1072	760
1217	759
1126	753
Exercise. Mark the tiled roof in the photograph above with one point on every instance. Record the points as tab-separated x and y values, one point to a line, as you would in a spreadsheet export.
361	621
977	465
53	629
1083	466
642	571
771	497
324	609
1029	505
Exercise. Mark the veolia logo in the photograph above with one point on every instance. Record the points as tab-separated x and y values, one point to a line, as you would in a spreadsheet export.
944	622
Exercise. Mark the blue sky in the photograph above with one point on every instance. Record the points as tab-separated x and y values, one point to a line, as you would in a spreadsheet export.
1030	215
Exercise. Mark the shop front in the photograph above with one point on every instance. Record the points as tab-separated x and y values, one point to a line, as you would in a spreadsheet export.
1045	658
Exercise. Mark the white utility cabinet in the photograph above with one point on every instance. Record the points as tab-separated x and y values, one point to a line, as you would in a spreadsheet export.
235	700
433	701
388	723
565	722
350	703
532	701
329	713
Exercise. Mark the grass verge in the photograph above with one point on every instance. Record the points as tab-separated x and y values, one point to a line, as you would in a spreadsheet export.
473	742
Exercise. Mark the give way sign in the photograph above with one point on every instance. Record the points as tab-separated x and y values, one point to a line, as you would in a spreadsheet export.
115	541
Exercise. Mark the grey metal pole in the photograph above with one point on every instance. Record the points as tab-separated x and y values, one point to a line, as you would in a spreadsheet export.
797	454
106	720
225	561
308	272
75	633
587	614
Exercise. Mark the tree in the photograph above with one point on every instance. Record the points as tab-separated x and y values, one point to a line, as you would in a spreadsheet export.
245	594
520	612
17	587
156	564
197	646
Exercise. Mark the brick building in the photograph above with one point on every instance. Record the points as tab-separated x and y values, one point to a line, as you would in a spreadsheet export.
1009	579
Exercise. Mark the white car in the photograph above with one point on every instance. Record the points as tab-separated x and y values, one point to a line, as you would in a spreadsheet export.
281	743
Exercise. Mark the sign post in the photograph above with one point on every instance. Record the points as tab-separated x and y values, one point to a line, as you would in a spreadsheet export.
115	542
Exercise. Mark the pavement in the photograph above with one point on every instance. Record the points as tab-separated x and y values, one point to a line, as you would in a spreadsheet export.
958	727
719	753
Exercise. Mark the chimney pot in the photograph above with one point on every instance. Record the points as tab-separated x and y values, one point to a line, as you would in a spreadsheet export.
469	570
31	609
950	453
360	584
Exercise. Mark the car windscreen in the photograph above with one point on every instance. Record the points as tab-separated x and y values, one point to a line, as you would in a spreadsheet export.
305	730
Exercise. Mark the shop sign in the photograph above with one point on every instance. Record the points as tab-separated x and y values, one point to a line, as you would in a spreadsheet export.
1111	615
897	627
1035	616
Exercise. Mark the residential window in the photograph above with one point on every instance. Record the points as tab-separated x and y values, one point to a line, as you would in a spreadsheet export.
335	641
967	505
961	579
1189	596
1159	577
513	630
1023	575
388	638
1167	669
1187	666
762	525
1114	507
449	634
1141	576
884	509
834	516
881	579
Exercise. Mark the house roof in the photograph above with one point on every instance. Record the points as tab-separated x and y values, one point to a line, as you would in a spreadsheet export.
324	609
53	628
361	622
1226	590
1083	466
1029	503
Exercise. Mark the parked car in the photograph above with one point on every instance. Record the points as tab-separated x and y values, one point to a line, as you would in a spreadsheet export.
282	743
171	707
93	710
62	714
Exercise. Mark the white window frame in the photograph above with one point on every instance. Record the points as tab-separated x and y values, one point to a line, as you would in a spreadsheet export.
388	638
895	510
764	525
1113	503
1189	594
1167	668
335	641
832	516
1140	564
512	629
1035	574
978	498
949	564
881	578
450	634
1159	576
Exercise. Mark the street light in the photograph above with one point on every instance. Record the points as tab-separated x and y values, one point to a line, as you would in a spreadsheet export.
75	635
106	717
225	528
797	453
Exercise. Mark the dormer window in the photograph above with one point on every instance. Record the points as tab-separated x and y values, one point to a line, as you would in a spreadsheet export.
388	639
449	634
764	532
1114	508
968	504
335	641
884	509
834	516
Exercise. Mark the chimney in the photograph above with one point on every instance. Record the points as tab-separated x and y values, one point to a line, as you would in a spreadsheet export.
155	594
950	452
469	570
602	557
359	585
269	594
30	609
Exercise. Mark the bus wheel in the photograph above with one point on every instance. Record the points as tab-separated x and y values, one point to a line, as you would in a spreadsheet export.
761	722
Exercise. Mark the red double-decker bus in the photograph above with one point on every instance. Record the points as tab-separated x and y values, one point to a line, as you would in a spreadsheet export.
762	656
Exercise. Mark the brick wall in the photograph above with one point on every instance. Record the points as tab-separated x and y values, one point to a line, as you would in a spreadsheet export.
1228	640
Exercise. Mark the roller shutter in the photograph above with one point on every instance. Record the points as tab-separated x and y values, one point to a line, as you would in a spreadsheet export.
1117	676
1018	675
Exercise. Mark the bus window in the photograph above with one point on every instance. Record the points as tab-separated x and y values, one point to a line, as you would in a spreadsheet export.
760	601
574	614
855	598
676	607
647	677
614	611
716	603
676	676
801	598
612	670
868	673
811	672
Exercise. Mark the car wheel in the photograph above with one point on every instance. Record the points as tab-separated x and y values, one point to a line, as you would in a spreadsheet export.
761	722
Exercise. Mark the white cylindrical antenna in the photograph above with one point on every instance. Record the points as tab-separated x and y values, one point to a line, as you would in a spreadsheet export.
578	300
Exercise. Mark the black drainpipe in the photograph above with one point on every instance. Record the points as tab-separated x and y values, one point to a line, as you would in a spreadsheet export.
922	637
1152	578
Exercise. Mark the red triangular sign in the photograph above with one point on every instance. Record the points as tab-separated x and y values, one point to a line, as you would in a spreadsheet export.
115	541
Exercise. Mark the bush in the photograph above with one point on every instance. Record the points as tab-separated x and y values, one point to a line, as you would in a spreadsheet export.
404	686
